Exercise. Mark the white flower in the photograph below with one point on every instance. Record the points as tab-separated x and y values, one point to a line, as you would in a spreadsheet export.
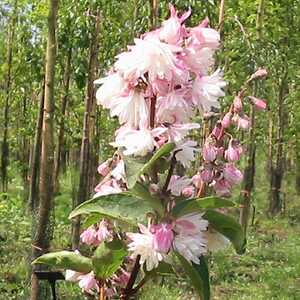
131	109
119	171
191	247
207	90
137	142
152	56
186	153
142	244
177	184
190	240
176	132
111	88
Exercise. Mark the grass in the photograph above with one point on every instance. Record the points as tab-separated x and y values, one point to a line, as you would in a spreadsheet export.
270	268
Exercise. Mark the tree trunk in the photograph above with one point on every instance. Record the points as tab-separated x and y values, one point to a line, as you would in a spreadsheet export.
153	13
88	131
277	171
41	240
5	145
35	156
249	172
61	134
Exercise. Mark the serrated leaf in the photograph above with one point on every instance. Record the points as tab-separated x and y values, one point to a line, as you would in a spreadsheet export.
198	275
199	204
124	207
134	167
107	258
66	260
229	227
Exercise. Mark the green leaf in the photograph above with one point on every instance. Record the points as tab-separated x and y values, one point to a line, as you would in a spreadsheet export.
135	167
107	258
66	260
229	227
198	275
199	204
124	207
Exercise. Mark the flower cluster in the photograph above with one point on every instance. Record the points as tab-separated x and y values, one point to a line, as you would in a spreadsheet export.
155	89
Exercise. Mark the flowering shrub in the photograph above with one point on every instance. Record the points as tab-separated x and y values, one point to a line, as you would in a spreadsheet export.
148	217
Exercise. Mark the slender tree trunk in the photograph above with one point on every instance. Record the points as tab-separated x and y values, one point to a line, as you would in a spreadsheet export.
35	156
41	240
153	13
221	17
298	163
5	145
249	172
88	130
61	134
270	142
277	170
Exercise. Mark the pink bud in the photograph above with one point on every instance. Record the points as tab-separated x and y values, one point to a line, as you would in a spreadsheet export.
88	282
260	104
222	188
209	152
163	237
103	233
196	179
206	175
188	191
232	174
217	131
237	104
227	120
103	169
260	73
243	122
89	236
234	151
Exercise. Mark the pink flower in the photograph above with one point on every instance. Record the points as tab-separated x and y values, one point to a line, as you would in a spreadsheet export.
206	174
209	152
176	132
206	37
88	282
222	188
188	191
107	187
243	122
172	31
142	244
163	237
122	278
226	120
232	174
234	151
207	90
260	73
89	236
103	233
177	184
104	169
260	104
197	181
237	104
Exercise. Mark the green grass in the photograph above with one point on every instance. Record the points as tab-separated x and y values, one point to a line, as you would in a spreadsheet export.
270	268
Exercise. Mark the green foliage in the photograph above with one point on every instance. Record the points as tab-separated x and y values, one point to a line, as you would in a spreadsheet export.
66	260
107	258
134	168
200	204
198	274
116	207
229	227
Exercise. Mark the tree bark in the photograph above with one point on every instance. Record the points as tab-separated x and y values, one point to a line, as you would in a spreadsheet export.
277	170
35	156
8	79
86	159
41	240
61	134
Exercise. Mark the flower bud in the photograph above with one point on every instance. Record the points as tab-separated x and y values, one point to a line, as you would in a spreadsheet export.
103	169
222	188
243	123
260	73
188	191
206	175
196	179
237	104
260	104
226	120
209	152
232	174
234	151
